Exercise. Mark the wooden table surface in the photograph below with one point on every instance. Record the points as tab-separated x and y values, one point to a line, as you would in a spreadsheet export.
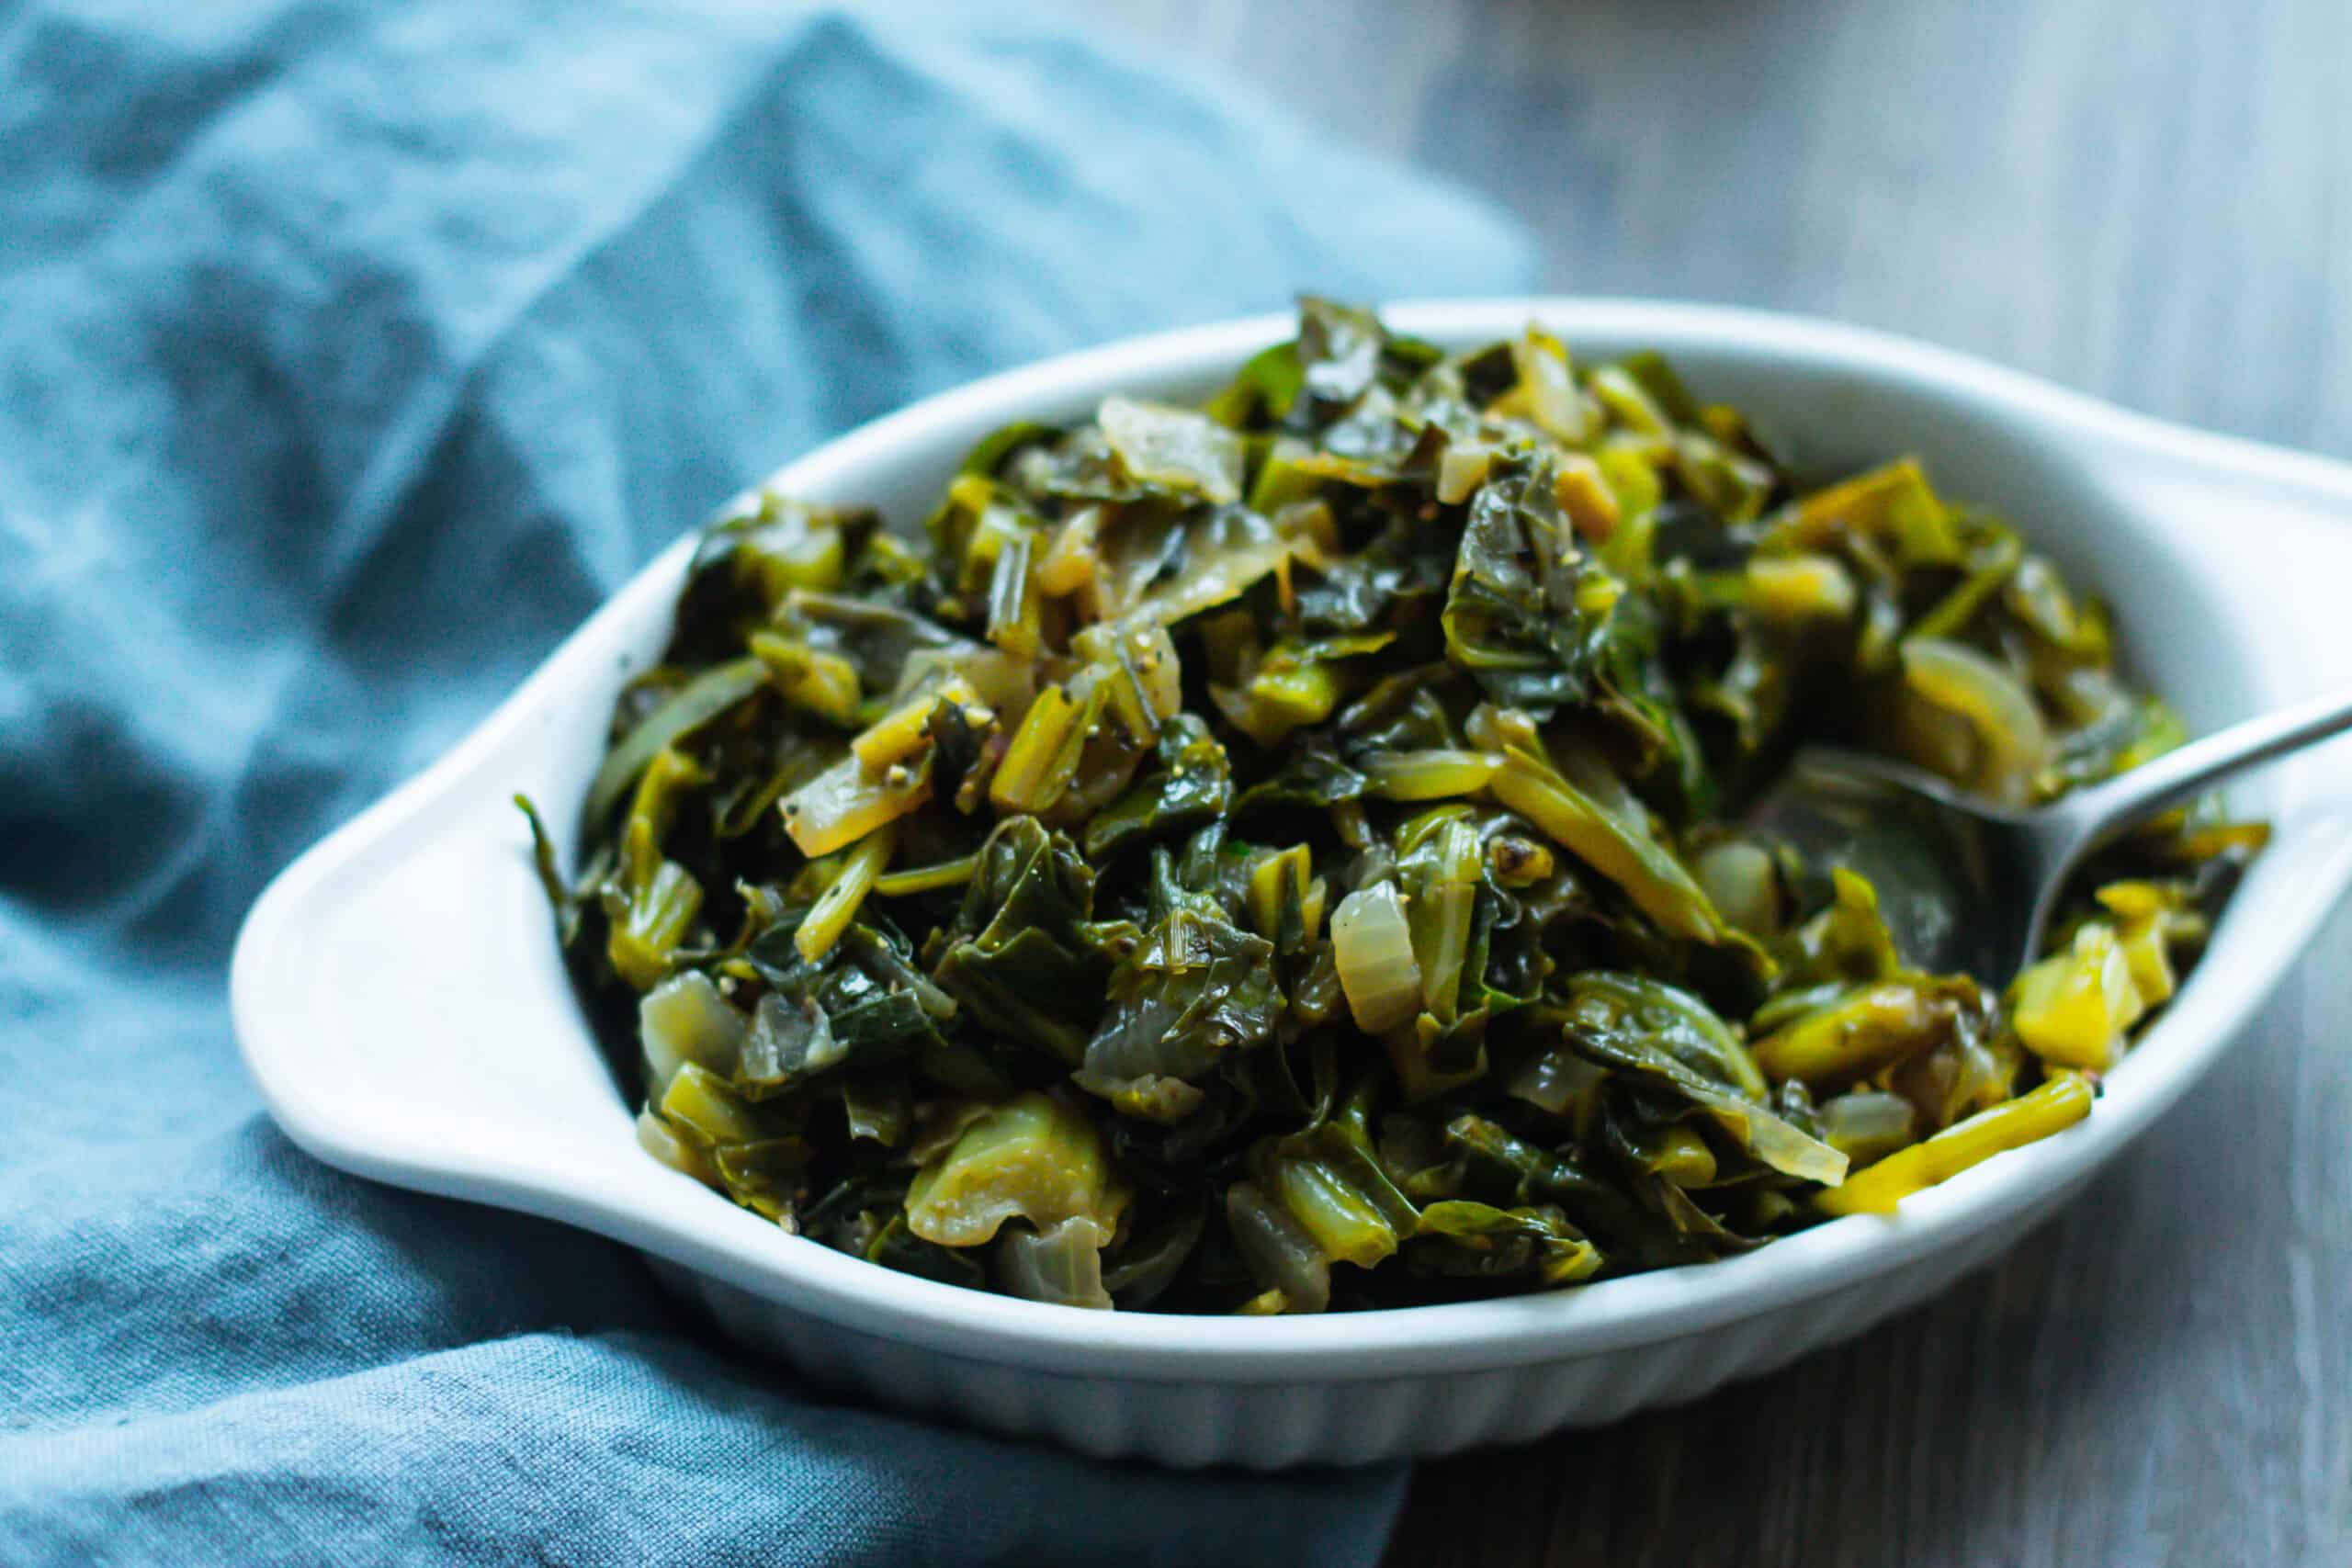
2151	201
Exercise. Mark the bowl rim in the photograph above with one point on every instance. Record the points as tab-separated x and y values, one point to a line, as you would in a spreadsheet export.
637	1207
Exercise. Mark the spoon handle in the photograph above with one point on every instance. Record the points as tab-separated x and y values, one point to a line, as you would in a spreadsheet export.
2108	809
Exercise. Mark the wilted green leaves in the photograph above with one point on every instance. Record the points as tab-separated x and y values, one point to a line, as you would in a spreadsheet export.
1284	854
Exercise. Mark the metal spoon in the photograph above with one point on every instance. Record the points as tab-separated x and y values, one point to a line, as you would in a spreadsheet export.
1968	886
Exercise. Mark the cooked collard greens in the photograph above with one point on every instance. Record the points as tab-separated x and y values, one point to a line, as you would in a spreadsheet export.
1285	854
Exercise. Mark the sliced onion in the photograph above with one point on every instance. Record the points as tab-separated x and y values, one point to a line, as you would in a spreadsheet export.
1279	1251
1546	393
1739	880
1062	1264
1462	469
1868	1124
685	1020
1957	679
660	1140
1553	1079
1374	947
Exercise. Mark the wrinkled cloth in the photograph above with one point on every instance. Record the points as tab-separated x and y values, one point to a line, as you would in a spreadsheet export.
349	354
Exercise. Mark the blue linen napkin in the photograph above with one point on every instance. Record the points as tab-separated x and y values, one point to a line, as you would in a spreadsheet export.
349	354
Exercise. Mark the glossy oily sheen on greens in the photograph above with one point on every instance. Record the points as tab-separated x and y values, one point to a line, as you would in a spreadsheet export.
1285	854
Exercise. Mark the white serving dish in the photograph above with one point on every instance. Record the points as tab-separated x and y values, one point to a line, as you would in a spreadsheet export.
398	999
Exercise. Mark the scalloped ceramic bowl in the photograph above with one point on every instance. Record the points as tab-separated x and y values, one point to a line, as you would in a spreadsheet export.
399	998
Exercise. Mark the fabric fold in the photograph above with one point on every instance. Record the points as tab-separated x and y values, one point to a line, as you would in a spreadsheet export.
348	356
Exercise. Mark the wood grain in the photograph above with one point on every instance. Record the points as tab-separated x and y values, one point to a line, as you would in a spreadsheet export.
2151	201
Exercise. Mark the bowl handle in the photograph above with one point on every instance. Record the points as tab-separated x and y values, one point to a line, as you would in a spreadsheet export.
400	1000
2273	527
